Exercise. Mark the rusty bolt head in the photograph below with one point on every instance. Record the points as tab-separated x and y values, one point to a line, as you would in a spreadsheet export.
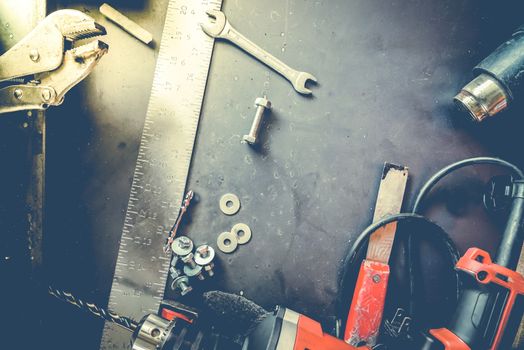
376	278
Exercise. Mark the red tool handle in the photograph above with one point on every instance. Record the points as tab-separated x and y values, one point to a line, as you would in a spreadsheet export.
367	307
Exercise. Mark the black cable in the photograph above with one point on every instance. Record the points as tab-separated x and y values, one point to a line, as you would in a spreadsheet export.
454	255
428	186
362	239
426	189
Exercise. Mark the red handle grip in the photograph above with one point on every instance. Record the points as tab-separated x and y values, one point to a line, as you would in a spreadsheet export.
367	307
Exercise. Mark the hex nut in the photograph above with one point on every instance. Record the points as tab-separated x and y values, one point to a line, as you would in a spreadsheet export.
249	139
263	102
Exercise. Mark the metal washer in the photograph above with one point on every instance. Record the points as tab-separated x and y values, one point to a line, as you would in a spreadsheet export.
200	259
182	246
246	237
227	236
235	204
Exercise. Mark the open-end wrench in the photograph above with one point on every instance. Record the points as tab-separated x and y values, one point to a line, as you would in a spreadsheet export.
219	27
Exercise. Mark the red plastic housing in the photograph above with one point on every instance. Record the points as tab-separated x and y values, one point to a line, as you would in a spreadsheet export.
311	337
367	306
478	263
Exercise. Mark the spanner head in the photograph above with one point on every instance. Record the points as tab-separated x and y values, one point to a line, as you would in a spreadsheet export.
215	23
300	83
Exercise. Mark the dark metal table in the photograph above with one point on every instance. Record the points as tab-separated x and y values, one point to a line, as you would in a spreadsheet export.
387	73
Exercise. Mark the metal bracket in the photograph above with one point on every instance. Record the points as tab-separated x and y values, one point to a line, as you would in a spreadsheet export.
25	97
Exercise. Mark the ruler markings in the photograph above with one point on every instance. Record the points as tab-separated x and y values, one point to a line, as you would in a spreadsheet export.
162	167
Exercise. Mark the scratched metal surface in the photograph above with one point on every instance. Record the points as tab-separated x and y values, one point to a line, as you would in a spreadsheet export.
387	73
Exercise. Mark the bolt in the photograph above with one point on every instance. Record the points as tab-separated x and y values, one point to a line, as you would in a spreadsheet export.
188	260
184	242
18	93
182	245
209	269
174	272
203	250
194	272
204	254
376	278
46	95
262	104
182	284
34	55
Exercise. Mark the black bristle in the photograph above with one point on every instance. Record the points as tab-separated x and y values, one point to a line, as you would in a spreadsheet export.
234	314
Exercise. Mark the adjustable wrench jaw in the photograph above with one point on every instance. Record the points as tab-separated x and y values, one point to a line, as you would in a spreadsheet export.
47	58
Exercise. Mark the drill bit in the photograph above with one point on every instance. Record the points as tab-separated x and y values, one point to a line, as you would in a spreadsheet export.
107	315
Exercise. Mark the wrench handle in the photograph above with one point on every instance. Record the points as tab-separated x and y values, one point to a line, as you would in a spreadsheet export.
234	36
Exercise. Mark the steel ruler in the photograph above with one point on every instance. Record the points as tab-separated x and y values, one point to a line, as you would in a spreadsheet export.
162	167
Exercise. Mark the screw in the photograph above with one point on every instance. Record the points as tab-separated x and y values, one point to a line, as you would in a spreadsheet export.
376	278
46	95
188	260
182	284
34	55
18	93
262	104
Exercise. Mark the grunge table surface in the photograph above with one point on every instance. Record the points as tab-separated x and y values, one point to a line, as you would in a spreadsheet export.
387	73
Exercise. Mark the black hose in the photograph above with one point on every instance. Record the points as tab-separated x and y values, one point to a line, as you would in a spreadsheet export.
426	189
